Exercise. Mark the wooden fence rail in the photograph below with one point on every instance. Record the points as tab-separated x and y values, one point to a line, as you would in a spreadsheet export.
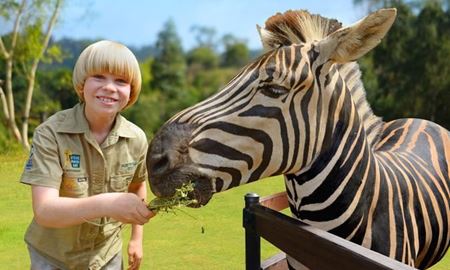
314	248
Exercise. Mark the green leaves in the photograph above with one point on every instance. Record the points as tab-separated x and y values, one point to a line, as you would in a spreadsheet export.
408	74
179	199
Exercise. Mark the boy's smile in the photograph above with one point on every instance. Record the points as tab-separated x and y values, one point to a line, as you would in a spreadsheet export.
107	100
106	94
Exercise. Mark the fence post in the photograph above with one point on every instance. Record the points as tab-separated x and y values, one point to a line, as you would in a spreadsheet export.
252	239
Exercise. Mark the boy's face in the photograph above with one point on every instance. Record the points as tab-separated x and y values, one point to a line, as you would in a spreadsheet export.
106	93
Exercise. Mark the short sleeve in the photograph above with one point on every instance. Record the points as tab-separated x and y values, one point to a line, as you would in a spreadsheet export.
140	174
43	167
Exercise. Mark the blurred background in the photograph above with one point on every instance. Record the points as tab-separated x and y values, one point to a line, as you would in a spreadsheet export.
190	49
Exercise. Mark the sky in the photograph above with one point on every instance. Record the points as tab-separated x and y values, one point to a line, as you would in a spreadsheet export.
138	22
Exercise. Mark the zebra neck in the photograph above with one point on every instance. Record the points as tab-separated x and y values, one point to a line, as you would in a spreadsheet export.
351	75
328	193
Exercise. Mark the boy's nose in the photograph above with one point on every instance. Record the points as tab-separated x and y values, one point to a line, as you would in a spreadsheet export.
109	85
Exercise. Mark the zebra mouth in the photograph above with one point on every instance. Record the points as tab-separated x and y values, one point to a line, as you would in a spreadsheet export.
202	192
166	187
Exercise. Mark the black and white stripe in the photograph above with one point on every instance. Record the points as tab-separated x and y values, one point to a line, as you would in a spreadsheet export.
385	186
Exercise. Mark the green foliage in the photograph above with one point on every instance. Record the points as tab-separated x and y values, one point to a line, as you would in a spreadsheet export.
236	52
31	33
202	58
70	49
169	65
146	73
408	74
389	57
147	112
7	8
7	144
205	36
179	199
23	46
431	78
56	85
53	92
168	69
205	83
53	54
29	45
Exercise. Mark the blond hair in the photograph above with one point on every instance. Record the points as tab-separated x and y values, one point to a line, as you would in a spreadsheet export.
111	57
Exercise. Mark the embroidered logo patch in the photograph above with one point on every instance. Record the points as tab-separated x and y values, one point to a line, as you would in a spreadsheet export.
71	160
75	160
29	164
81	179
130	166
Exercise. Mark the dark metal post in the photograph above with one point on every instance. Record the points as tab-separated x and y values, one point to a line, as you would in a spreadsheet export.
252	240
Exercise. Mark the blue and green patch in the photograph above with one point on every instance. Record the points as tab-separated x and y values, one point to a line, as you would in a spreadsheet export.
75	160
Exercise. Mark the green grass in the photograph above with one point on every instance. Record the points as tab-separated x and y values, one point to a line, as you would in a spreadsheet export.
16	212
170	241
177	242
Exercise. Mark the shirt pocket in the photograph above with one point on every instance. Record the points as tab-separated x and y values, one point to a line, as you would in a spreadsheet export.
120	182
74	185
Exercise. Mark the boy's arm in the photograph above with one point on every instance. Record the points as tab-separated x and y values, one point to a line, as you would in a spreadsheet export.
135	250
51	210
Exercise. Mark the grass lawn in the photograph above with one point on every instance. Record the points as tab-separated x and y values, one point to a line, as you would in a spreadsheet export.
170	241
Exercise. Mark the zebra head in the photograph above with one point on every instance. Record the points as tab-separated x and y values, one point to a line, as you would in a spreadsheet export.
270	119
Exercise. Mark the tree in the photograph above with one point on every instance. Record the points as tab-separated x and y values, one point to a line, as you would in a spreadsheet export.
408	74
389	64
236	52
417	5
428	63
202	57
22	49
169	69
169	64
205	36
54	85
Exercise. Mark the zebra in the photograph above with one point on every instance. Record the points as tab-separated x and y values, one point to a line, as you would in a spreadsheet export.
300	110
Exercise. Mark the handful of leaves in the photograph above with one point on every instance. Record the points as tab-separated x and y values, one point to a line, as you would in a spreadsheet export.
180	198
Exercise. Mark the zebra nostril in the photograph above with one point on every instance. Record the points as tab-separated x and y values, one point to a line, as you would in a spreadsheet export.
160	164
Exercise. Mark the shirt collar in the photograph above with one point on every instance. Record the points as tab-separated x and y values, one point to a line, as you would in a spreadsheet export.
122	128
75	122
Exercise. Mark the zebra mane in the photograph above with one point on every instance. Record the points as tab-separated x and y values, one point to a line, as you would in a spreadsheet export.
296	27
299	26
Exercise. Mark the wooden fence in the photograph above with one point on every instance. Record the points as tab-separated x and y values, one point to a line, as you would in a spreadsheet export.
314	248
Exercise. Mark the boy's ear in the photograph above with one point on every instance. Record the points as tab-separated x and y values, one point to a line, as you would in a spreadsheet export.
350	43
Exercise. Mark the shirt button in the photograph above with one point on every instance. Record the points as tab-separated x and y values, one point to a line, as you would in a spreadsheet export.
95	266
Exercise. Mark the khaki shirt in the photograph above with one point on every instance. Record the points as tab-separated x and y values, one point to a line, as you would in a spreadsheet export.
66	156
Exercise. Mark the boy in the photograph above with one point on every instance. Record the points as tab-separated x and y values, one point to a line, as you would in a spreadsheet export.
87	169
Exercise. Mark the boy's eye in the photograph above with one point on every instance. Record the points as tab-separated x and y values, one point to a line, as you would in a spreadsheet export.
98	76
122	81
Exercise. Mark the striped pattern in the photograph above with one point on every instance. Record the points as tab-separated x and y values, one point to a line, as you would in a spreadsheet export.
385	186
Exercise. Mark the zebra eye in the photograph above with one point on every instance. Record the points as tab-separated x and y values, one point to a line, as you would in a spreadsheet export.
274	91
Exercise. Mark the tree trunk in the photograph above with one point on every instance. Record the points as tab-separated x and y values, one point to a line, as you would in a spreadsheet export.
11	120
3	100
32	75
9	56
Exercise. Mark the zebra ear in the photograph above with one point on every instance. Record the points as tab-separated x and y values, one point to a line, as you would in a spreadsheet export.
350	43
269	41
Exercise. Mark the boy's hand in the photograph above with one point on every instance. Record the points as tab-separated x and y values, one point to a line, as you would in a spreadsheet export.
135	254
128	208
